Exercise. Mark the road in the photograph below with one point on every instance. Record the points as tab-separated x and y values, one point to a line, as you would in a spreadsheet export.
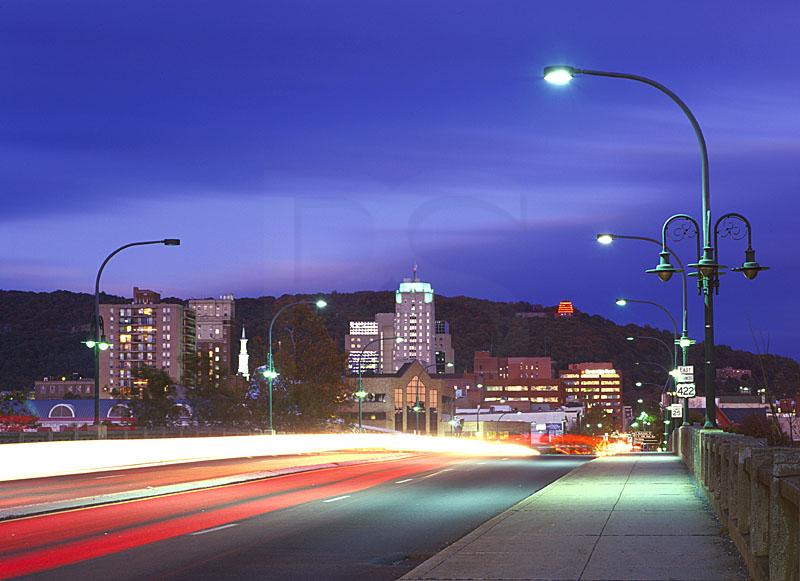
373	521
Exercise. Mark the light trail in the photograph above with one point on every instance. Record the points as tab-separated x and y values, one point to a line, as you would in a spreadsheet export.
37	460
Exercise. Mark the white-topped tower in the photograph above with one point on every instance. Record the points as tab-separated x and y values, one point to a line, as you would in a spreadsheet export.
244	357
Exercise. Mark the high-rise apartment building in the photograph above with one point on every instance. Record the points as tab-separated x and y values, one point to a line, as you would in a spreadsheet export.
215	334
411	333
147	333
596	386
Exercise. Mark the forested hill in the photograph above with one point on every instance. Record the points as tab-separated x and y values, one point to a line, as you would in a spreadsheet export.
41	334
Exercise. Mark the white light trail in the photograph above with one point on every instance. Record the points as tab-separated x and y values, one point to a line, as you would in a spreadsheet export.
42	459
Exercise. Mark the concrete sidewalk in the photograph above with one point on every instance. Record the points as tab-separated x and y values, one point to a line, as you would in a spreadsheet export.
634	516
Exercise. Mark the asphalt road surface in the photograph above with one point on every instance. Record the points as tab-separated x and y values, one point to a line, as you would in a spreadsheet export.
368	521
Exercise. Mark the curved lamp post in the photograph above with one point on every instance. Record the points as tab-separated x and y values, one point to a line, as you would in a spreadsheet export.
270	372
99	342
708	268
361	394
500	417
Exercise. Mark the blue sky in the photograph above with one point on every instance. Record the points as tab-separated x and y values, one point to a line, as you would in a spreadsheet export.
311	146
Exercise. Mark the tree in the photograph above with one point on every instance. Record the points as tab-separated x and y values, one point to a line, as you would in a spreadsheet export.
155	405
311	368
223	403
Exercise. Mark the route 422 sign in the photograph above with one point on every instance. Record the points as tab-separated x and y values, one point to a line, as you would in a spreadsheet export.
685	390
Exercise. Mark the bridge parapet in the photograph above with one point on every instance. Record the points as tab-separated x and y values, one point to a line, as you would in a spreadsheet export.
755	491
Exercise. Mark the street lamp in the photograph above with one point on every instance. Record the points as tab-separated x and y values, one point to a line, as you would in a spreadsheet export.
500	417
361	394
99	342
684	342
708	268
270	374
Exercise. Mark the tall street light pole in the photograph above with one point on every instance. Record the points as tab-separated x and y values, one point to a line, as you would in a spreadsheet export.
707	265
684	342
99	342
270	372
361	394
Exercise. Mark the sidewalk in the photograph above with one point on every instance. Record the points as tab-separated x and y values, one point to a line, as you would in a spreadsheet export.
634	517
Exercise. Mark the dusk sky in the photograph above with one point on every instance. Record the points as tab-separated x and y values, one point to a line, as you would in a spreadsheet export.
315	146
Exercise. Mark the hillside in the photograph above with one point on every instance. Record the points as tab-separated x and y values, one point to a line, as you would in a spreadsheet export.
40	334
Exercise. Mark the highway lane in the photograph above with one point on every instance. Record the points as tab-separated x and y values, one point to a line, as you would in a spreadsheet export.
374	521
37	491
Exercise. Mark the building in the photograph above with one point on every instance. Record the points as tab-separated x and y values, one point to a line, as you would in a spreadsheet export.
411	333
244	358
523	394
215	334
565	309
408	400
146	333
487	367
63	387
597	386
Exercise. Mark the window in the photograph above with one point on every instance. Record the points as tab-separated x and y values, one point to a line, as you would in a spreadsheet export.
61	411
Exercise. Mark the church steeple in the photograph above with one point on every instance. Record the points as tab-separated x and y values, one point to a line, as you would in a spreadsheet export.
244	358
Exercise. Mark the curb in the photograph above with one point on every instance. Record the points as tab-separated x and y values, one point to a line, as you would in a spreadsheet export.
426	567
153	492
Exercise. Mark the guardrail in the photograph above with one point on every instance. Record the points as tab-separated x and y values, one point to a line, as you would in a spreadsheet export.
121	434
755	491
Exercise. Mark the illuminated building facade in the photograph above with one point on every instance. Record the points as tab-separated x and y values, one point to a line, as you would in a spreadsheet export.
523	395
424	339
215	334
565	309
146	333
596	386
408	400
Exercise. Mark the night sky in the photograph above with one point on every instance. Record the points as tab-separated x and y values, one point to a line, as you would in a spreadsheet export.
312	146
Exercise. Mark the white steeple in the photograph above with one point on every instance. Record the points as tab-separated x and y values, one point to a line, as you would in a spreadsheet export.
244	358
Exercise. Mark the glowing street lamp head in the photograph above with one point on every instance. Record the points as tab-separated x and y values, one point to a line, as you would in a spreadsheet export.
270	373
621	302
638	384
630	338
399	340
674	373
685	342
321	304
559	74
361	394
90	343
605	239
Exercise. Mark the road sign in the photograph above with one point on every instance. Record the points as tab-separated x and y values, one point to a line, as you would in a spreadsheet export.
685	390
676	410
688	369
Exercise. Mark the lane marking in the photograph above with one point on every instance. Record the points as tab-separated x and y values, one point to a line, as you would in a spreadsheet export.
103	477
337	498
437	473
219	528
481	463
404	481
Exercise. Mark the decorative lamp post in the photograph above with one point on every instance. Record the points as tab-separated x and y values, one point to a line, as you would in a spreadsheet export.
707	265
99	342
270	374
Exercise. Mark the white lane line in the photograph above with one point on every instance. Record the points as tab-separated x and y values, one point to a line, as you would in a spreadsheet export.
481	463
404	481
437	473
501	459
337	498
219	528
102	477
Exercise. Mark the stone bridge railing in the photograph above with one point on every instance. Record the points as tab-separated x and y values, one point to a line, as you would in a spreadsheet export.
755	490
